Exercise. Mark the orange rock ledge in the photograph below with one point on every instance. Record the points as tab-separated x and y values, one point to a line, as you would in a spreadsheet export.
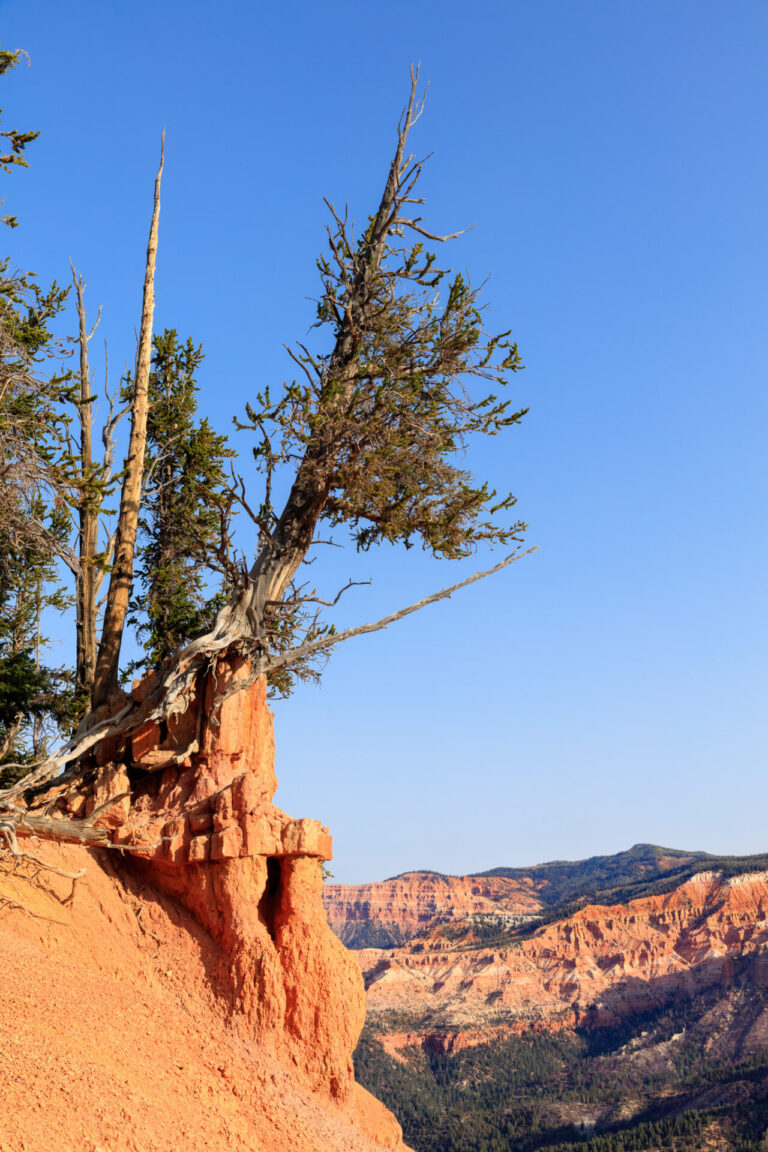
190	995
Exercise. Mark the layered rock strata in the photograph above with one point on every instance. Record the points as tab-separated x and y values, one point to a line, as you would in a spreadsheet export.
597	967
390	912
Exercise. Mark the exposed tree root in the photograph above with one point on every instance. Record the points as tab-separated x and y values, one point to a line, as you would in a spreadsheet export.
26	866
174	692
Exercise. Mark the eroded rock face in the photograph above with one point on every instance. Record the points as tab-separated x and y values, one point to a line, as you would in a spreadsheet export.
391	912
190	805
250	875
596	967
113	1037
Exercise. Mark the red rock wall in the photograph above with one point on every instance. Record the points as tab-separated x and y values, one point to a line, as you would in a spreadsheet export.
410	903
199	824
114	1038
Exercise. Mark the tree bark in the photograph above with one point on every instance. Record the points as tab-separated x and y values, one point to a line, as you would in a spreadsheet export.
107	662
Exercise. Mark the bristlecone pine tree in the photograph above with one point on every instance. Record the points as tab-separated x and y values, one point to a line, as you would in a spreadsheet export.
372	430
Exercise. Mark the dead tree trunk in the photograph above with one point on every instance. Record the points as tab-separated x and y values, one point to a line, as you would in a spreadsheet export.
107	661
85	577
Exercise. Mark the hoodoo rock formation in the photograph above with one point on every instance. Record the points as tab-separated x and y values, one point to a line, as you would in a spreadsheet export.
185	992
596	967
390	912
633	1024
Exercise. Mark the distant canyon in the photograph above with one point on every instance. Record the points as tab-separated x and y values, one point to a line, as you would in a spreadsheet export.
619	963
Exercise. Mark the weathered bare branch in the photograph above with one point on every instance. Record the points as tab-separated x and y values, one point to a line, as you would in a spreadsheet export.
302	364
110	424
20	861
46	769
87	543
326	642
292	601
416	227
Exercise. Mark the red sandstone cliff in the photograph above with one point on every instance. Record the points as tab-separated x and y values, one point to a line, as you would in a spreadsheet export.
190	994
402	907
596	967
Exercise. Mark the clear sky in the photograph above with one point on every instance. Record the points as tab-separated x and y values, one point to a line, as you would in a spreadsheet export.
611	688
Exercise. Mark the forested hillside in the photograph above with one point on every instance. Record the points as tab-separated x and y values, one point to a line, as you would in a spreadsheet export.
691	1075
629	1013
506	904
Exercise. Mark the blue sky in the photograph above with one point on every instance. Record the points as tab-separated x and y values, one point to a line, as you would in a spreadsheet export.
611	688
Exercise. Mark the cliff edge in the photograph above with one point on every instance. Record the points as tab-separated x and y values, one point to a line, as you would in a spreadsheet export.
185	991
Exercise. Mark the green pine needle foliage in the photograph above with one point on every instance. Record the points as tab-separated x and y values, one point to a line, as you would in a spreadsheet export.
185	506
399	438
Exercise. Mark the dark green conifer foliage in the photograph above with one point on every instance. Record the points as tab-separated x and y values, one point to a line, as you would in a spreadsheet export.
37	471
13	140
35	466
185	504
29	691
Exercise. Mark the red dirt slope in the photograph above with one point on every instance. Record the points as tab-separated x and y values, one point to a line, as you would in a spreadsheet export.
190	996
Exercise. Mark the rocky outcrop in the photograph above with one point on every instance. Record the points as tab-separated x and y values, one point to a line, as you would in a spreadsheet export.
391	912
597	967
199	942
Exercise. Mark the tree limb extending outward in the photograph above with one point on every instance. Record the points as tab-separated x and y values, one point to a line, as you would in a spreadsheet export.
361	629
172	692
287	658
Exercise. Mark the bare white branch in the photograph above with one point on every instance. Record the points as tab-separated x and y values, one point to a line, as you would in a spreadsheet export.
287	658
